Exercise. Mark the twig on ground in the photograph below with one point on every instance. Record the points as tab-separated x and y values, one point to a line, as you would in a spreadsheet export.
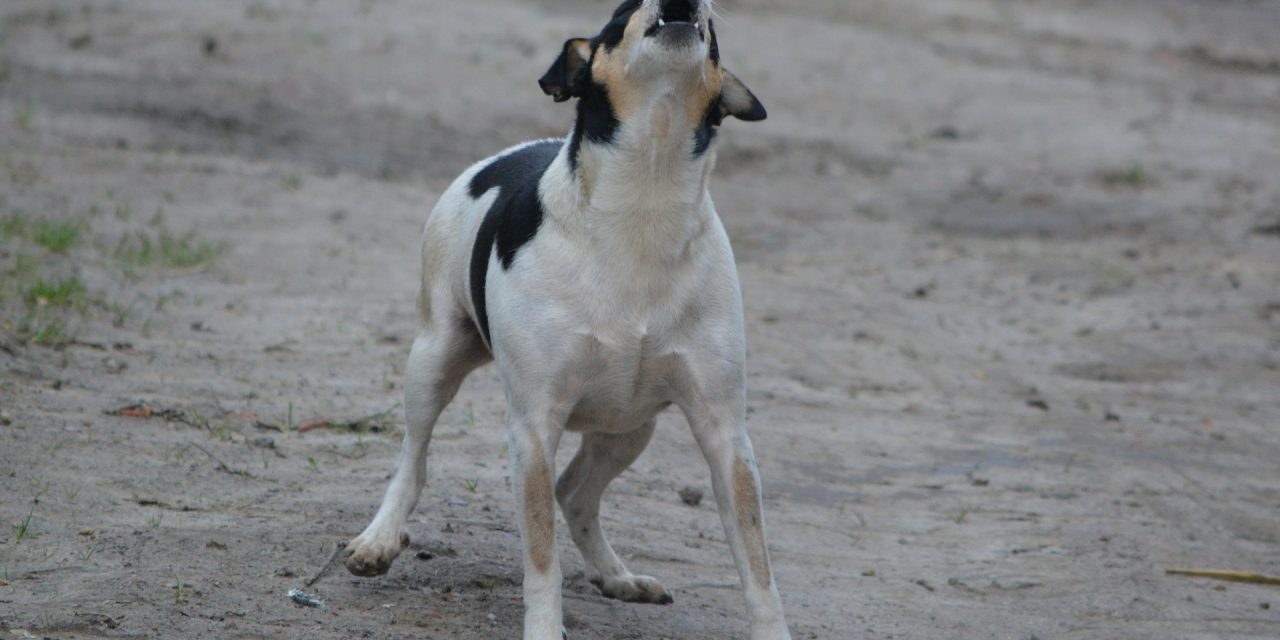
373	423
327	566
1231	576
222	465
144	410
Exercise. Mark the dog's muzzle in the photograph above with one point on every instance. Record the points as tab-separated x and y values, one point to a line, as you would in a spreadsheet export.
677	21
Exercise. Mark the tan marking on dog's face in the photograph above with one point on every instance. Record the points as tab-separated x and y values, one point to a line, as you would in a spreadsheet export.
539	511
746	501
608	68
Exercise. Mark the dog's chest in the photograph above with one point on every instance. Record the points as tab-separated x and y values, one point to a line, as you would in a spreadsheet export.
624	378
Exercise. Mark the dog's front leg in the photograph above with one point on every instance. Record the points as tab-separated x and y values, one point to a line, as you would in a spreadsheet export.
720	430
533	448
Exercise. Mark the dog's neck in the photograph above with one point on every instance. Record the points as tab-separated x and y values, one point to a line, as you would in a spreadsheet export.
650	172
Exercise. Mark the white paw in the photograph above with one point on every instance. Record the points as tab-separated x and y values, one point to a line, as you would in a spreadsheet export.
631	588
371	553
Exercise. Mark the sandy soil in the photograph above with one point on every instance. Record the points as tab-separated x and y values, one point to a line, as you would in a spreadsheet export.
1011	274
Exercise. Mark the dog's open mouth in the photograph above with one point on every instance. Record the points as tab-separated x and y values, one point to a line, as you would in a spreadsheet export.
675	15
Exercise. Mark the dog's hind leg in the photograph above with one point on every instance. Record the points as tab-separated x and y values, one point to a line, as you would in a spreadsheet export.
599	460
442	355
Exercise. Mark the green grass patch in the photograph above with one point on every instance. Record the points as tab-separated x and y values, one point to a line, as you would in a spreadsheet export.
166	249
23	267
62	293
1132	177
53	334
42	329
22	529
13	226
55	235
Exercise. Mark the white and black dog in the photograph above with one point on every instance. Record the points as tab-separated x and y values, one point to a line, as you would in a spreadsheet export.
594	270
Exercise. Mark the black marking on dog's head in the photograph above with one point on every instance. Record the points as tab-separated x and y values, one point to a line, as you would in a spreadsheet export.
598	71
611	35
514	217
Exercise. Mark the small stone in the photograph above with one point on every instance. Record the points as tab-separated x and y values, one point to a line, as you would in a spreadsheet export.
425	555
691	496
305	599
945	132
868	573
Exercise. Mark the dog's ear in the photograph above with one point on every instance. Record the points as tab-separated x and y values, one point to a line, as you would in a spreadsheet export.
737	100
565	78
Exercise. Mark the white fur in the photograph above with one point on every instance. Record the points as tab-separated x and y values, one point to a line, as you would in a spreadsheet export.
624	302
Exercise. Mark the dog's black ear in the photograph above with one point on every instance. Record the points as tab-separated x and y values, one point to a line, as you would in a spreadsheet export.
737	100
565	77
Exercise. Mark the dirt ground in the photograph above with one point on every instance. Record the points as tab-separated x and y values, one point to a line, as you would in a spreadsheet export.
1011	271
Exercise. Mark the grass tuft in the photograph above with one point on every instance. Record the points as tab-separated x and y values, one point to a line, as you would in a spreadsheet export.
23	529
1132	177
54	334
62	293
14	225
55	235
166	249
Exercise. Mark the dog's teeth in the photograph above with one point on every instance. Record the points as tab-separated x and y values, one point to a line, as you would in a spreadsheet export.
661	22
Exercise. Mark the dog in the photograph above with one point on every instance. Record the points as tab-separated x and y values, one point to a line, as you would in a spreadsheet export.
595	272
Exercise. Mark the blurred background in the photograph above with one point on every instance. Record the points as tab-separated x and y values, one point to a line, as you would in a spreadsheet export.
1011	273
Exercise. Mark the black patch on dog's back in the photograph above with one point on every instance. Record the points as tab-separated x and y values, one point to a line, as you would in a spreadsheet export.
514	217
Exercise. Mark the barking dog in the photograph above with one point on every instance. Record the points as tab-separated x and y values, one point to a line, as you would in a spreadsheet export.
595	272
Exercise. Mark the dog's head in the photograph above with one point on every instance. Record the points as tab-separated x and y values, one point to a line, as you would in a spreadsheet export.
649	46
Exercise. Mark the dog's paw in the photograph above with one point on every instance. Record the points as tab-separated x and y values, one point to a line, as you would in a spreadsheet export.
634	589
371	555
